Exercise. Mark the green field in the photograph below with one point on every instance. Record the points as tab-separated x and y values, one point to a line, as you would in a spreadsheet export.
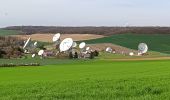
156	42
97	80
8	32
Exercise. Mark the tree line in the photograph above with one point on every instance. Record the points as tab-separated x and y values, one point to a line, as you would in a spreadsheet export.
90	30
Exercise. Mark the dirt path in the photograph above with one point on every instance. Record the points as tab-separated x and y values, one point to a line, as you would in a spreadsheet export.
117	48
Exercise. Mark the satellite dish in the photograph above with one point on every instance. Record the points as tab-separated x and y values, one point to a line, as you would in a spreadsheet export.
82	45
114	52
35	44
66	44
131	54
109	49
87	48
40	53
139	54
56	37
33	55
74	44
26	43
142	48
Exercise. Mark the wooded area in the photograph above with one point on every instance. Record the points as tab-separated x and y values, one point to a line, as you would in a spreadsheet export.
90	30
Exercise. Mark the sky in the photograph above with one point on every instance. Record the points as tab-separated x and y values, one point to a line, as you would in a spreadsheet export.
85	12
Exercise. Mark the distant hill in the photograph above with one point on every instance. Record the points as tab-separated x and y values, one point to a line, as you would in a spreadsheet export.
90	30
155	42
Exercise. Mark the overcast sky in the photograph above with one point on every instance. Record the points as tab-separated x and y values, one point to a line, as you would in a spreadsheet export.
85	12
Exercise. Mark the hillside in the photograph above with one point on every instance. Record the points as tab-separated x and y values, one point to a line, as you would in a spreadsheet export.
156	42
90	30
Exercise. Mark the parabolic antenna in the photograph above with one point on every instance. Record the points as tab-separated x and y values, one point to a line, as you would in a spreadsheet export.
109	49
131	54
33	55
56	37
26	43
82	45
66	44
87	48
74	44
142	48
40	53
35	43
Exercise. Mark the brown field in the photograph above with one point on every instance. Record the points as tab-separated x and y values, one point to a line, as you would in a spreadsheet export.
117	48
48	37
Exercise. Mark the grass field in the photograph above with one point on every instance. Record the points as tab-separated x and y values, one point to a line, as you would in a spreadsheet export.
98	80
8	32
54	61
156	42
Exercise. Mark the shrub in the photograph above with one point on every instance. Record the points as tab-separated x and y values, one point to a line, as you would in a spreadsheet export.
96	53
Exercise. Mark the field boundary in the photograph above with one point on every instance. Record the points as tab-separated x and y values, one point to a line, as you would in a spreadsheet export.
140	59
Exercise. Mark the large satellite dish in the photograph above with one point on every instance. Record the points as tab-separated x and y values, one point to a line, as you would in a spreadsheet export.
56	37
66	44
26	43
82	45
109	49
40	53
142	48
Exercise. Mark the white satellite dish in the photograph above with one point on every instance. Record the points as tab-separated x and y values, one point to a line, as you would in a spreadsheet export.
40	53
131	54
74	44
82	45
109	49
56	37
33	55
142	48
87	48
35	43
26	43
66	44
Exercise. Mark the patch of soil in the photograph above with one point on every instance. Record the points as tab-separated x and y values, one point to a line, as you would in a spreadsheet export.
48	37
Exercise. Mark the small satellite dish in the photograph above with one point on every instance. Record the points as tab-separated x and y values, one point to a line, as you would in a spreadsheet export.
142	48
82	45
40	53
74	44
131	54
139	54
87	48
26	43
109	49
56	37
25	51
35	43
66	44
33	55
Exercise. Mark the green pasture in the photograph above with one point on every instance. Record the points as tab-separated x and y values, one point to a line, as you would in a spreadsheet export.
92	80
8	32
156	42
52	61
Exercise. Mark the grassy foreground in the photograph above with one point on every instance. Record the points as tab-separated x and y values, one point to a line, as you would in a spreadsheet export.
98	80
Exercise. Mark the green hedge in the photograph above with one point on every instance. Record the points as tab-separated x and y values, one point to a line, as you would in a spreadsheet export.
15	65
